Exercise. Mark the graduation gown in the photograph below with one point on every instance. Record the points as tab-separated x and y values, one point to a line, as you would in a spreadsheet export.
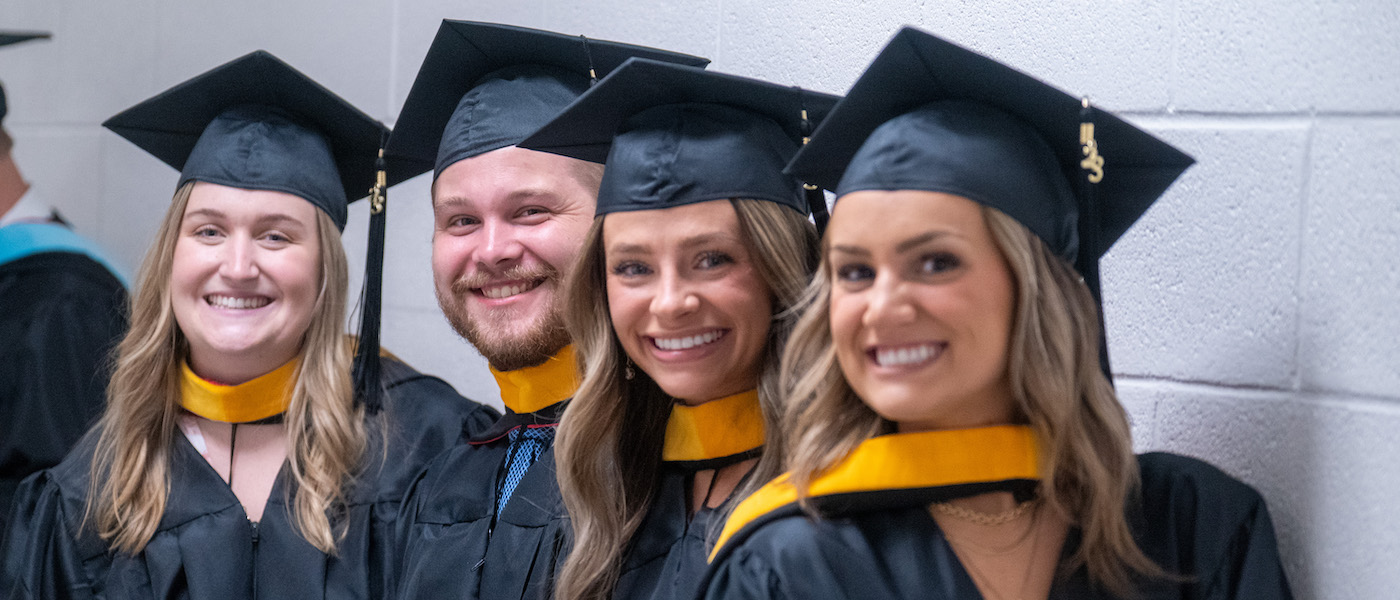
668	554
205	547
1192	519
452	543
62	314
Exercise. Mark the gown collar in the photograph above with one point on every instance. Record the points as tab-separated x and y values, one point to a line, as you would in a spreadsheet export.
534	388
260	398
918	467
714	434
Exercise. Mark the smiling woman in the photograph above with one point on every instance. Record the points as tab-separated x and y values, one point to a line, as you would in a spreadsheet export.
245	278
921	309
953	430
235	459
686	298
679	309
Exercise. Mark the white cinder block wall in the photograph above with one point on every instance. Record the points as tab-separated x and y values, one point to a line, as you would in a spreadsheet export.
1252	314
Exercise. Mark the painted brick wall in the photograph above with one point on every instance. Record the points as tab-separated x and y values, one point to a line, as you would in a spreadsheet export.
1252	314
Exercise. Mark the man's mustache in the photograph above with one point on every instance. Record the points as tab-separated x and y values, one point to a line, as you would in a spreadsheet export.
482	277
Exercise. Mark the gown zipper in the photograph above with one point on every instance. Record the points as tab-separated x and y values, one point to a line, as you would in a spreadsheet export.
254	525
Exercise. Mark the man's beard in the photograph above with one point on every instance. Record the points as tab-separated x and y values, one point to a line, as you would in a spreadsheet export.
504	347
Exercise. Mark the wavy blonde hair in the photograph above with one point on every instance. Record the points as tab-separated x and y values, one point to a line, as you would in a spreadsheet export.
608	452
1058	387
130	476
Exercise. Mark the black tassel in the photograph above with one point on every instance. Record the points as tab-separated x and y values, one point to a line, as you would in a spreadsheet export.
1087	263
816	200
588	54
368	386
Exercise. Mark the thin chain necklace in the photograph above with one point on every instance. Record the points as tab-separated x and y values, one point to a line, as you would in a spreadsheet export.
962	548
989	550
981	518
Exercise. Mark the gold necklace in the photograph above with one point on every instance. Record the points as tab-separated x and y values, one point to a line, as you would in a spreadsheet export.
981	518
988	550
983	582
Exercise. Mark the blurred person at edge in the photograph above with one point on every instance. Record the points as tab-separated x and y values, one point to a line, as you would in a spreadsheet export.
64	309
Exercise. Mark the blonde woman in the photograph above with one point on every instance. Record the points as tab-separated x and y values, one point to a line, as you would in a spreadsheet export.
233	460
679	308
953	433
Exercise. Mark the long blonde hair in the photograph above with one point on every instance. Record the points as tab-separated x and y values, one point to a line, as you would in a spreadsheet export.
609	448
1058	388
130	476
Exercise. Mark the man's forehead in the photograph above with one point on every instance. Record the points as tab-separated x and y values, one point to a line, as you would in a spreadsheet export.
513	175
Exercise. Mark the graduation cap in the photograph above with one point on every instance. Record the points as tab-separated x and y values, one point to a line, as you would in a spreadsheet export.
673	135
930	115
8	37
257	123
484	86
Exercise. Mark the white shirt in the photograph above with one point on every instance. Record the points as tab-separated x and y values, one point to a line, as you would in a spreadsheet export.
29	209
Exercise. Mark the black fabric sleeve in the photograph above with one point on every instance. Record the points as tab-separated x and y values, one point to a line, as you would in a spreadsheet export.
743	576
42	560
1199	522
64	314
1251	568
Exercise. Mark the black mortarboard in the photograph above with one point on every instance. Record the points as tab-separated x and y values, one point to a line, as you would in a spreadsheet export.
257	123
485	86
930	115
673	135
8	37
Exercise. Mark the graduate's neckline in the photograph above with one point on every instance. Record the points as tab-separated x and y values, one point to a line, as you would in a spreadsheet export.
714	434
535	388
256	400
924	466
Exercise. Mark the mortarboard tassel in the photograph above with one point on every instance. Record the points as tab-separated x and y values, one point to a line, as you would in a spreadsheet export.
816	200
1092	172
588	54
368	386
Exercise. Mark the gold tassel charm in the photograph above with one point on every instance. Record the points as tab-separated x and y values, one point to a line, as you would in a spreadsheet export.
377	197
1092	162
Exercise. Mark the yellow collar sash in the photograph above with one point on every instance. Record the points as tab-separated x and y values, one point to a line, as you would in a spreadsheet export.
254	400
533	388
717	429
905	461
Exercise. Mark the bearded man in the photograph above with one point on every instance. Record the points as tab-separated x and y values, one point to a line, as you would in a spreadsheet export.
485	520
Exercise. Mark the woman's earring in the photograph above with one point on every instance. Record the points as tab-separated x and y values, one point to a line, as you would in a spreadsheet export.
627	371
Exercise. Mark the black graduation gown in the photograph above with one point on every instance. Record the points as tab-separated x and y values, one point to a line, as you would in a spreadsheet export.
669	551
1193	519
206	549
450	546
60	315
